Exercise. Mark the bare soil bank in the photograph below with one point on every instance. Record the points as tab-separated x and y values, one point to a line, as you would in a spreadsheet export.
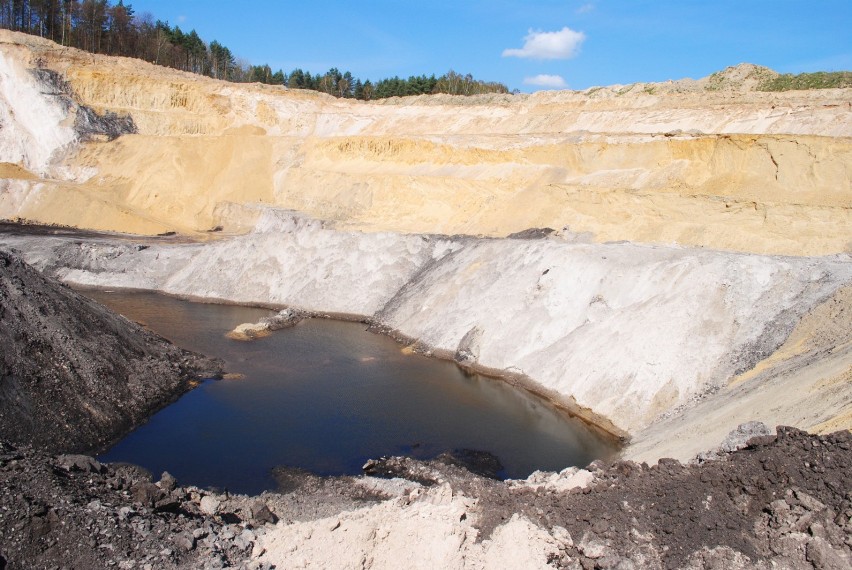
73	375
783	502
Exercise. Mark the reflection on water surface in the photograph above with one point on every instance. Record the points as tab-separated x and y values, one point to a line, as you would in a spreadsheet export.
326	396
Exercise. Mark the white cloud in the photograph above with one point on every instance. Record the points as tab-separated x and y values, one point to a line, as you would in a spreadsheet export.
543	80
181	19
563	44
586	8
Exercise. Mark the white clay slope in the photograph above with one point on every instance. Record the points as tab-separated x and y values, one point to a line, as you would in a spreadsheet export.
35	123
627	331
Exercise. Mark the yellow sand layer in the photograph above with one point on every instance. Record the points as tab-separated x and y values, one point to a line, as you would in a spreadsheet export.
667	163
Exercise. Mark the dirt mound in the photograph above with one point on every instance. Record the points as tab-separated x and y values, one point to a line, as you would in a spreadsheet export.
784	501
739	78
71	511
73	375
781	501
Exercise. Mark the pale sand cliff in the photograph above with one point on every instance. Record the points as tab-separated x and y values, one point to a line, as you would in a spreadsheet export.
658	163
699	276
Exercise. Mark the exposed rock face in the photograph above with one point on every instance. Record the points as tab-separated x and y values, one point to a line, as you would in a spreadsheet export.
73	375
709	163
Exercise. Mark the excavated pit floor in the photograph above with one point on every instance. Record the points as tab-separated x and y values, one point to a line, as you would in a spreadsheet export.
325	396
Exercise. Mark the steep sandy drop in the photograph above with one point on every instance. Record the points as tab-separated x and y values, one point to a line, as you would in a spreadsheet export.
709	163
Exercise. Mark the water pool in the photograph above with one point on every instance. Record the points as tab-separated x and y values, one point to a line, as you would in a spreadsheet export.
325	396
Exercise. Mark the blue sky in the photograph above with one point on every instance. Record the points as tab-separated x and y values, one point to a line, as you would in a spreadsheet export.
527	45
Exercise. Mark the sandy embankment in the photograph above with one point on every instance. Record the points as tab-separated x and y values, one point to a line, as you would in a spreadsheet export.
665	163
630	333
621	333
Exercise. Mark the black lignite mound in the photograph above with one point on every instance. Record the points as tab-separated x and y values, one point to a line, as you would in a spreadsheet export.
73	375
72	512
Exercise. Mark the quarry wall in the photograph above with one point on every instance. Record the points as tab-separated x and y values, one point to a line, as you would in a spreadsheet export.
676	162
694	227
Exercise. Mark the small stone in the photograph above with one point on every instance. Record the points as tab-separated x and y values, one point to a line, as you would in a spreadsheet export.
185	541
824	557
166	505
739	438
167	482
257	551
591	548
83	463
261	514
209	505
562	535
809	502
145	493
209	541
581	479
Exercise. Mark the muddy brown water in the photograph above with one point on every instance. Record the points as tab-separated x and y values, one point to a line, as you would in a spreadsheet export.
325	396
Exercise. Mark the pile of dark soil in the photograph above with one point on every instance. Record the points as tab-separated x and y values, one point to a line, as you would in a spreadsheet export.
785	501
75	376
70	511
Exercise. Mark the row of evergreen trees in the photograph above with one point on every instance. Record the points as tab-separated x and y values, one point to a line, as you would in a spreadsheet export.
99	26
345	85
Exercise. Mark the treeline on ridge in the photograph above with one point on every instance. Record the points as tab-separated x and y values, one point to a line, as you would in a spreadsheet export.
99	26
